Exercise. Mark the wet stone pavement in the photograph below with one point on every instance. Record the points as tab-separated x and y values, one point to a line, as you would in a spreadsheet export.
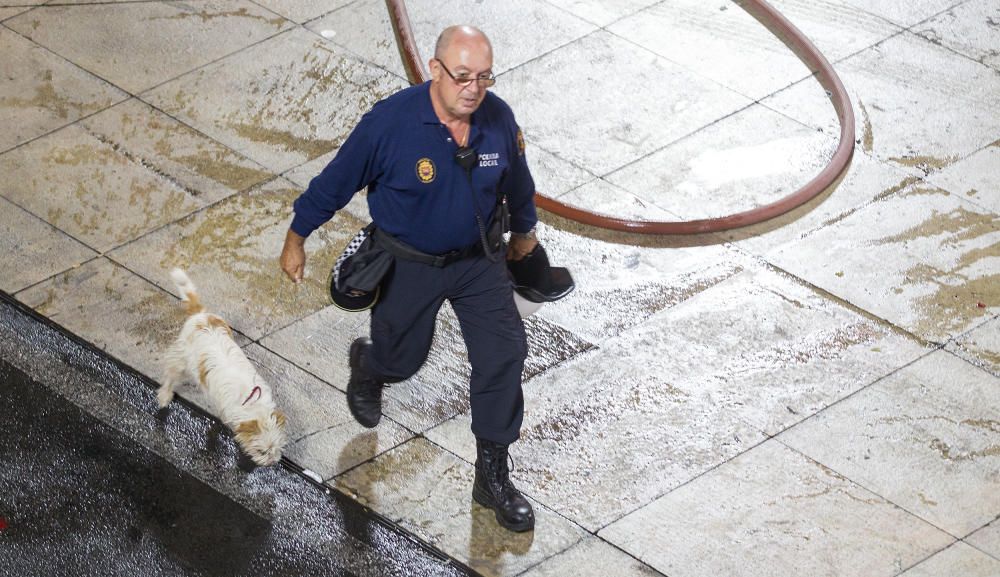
815	395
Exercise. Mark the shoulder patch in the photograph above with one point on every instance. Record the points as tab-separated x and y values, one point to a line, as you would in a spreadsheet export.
426	170
520	142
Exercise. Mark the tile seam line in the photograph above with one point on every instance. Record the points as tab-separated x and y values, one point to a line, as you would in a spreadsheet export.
768	438
978	548
90	75
753	101
323	380
954	539
106	253
550	508
143	95
47	224
117	262
841	301
139	98
954	51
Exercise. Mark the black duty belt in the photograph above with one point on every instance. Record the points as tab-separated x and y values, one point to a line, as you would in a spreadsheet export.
400	249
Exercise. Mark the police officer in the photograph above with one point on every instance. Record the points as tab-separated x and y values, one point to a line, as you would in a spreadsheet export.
405	151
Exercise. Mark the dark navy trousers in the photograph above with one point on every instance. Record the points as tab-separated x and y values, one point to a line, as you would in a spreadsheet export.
480	292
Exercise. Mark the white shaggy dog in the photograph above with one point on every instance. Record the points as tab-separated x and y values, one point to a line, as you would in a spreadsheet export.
205	353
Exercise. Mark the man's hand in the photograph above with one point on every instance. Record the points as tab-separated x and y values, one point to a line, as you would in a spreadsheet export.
521	245
293	256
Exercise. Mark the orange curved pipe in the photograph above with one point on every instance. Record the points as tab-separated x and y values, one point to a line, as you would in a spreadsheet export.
778	25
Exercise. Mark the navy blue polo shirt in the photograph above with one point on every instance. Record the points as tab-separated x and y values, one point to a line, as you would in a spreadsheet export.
417	192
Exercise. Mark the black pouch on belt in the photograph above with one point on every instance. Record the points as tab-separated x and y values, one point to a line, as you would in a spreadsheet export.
358	273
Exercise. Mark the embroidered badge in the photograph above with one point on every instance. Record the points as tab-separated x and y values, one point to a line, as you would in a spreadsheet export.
520	142
425	170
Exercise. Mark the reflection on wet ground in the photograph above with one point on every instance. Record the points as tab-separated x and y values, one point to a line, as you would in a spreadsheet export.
814	394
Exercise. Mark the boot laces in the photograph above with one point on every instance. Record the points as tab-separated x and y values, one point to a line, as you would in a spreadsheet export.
500	475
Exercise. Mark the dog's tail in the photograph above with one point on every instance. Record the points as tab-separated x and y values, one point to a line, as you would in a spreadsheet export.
189	293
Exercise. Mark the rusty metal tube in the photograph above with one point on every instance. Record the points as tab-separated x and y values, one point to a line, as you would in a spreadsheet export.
778	25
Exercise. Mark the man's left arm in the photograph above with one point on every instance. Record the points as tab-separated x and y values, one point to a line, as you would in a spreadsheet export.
520	190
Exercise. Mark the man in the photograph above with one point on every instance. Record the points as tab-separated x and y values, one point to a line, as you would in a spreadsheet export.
405	151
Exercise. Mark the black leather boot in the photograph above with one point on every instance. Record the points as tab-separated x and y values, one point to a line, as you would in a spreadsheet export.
494	490
364	392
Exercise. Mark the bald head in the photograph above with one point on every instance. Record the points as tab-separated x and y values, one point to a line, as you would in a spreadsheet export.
461	35
461	71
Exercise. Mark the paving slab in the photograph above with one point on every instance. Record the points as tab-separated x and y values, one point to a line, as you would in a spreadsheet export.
10	11
323	436
916	105
121	174
837	27
601	12
42	92
592	557
752	158
866	181
725	43
980	346
112	308
975	177
969	28
125	43
167	147
31	250
231	249
697	384
619	285
773	512
429	491
903	12
440	389
602	197
612	123
921	259
924	438
959	559
520	30
281	102
987	539
553	176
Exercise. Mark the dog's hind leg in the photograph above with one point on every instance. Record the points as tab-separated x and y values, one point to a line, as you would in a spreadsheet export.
173	374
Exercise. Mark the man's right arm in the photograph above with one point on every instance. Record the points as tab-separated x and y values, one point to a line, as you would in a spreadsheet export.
353	168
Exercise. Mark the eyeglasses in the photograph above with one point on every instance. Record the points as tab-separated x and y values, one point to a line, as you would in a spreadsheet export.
484	80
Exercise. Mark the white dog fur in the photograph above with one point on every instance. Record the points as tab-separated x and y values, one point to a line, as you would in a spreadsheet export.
205	353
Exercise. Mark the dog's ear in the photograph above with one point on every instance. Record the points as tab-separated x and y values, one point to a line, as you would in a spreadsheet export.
279	418
247	428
